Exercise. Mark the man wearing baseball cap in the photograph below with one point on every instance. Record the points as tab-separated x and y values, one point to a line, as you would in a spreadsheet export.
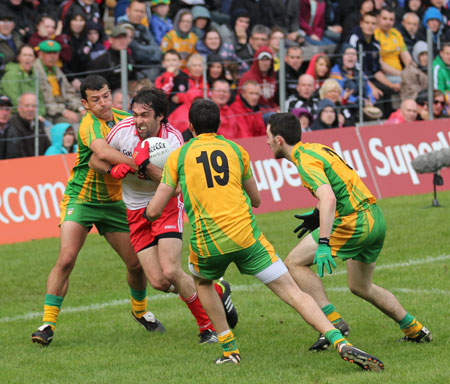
62	103
263	73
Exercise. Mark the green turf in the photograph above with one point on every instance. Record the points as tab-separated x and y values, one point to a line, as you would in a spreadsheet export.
105	345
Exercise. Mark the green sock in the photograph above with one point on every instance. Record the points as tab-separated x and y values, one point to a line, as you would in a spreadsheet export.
334	336
330	312
327	309
52	306
138	301
406	321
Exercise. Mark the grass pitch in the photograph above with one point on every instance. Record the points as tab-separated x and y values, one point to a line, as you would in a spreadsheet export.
96	340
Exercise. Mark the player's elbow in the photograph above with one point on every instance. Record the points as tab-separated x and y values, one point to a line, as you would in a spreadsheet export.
256	202
152	213
101	156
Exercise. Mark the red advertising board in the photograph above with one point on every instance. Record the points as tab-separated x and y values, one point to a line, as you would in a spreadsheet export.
390	149
30	192
31	188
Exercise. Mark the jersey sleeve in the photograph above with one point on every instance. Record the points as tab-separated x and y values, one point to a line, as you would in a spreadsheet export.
247	171
312	173
170	174
91	132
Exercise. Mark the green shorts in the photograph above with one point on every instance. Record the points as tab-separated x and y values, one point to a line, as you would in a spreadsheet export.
107	217
358	236
250	261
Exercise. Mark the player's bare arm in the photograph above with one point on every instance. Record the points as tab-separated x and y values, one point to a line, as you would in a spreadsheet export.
159	201
327	209
110	155
98	165
250	187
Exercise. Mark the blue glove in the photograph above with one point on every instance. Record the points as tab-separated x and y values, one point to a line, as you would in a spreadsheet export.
323	259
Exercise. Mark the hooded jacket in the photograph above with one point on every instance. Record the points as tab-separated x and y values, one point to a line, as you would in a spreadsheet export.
441	35
311	70
267	81
201	12
414	77
183	43
57	133
318	123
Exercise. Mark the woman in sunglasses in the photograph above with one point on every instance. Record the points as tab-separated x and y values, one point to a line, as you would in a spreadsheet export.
440	107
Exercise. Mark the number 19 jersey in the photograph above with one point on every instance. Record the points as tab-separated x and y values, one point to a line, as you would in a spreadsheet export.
211	170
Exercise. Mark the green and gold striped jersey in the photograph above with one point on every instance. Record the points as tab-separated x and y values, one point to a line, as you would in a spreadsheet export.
84	184
319	165
211	170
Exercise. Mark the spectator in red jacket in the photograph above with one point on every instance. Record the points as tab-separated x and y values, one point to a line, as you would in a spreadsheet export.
247	111
262	71
220	94
405	114
179	118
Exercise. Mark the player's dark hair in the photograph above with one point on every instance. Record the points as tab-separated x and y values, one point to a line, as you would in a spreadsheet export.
154	99
287	126
92	83
204	115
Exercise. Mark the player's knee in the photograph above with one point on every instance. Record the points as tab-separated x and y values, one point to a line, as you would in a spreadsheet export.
135	268
289	263
171	273
66	262
357	289
160	284
293	261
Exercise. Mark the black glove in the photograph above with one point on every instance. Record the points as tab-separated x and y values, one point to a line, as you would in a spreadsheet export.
311	221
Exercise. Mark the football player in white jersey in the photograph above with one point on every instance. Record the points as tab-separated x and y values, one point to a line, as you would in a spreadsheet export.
157	244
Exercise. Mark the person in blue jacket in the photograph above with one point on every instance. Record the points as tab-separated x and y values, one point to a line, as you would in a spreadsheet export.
63	140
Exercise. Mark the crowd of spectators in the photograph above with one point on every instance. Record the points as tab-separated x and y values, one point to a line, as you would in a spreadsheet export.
170	44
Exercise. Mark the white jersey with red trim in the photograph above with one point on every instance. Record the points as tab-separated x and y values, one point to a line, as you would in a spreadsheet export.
136	192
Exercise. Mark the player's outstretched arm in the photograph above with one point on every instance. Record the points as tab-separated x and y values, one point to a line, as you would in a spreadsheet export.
118	171
109	154
159	201
250	187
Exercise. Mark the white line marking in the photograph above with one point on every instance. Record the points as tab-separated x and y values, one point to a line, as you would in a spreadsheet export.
249	287
409	263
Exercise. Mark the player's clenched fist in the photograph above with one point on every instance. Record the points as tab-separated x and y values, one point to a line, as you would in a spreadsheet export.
141	156
119	171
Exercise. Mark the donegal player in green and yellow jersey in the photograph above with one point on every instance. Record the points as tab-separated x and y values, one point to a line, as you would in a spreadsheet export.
219	191
91	199
347	223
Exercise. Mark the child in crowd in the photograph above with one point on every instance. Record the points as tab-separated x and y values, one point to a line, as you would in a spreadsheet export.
95	39
173	80
160	24
181	38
